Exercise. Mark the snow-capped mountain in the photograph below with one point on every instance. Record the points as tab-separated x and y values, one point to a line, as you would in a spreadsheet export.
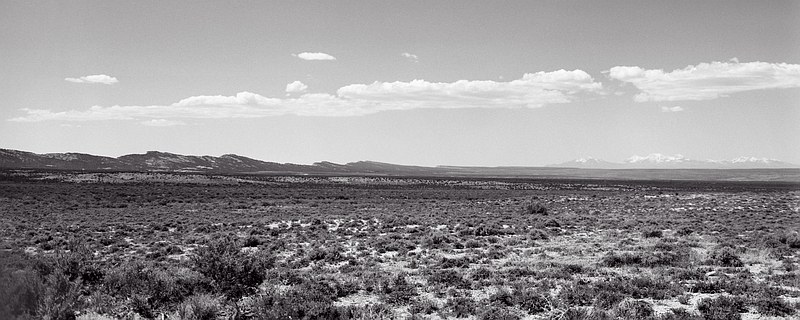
677	161
657	158
588	162
753	160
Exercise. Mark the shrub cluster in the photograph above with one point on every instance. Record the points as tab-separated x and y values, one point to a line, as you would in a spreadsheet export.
608	293
232	272
47	288
651	259
725	257
460	307
153	288
397	290
533	207
721	308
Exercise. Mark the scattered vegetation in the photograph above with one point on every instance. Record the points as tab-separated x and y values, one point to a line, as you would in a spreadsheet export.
271	247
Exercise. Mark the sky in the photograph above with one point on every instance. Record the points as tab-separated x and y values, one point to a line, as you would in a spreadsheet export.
485	83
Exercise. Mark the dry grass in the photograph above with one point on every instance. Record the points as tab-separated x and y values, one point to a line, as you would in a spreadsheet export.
361	248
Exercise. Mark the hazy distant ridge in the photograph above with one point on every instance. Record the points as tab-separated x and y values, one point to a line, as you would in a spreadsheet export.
661	161
170	162
636	168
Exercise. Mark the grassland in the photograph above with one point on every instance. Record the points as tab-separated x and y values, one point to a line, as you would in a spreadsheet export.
181	246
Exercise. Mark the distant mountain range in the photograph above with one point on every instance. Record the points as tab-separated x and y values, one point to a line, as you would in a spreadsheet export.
649	167
660	161
156	161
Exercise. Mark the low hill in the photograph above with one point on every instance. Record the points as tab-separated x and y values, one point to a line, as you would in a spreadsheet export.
156	161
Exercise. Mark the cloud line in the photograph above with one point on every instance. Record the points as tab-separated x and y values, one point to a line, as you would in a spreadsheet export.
96	78
532	90
314	56
410	56
296	87
671	109
707	81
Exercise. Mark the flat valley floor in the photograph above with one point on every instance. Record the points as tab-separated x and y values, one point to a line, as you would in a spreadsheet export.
185	246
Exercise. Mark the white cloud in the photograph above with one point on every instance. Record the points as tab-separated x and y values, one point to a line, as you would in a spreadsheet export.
409	56
672	109
296	87
707	81
162	123
314	56
96	78
533	90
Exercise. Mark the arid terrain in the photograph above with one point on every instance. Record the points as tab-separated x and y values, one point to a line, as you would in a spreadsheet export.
196	246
